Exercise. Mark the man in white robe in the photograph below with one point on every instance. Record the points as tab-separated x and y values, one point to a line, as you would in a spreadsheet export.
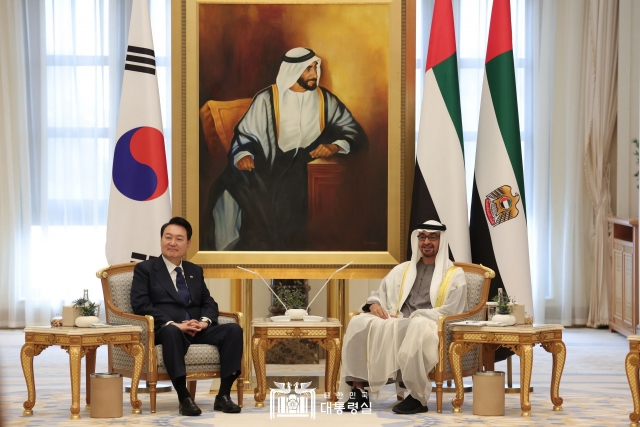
260	200
396	339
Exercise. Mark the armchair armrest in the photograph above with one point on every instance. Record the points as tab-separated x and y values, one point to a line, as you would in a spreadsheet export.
148	333
147	320
457	317
237	316
354	313
443	320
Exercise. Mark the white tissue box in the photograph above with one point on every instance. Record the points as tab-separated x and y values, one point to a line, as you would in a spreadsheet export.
69	315
518	313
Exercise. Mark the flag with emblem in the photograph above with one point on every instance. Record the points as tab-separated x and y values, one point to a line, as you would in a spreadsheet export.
439	187
139	199
498	223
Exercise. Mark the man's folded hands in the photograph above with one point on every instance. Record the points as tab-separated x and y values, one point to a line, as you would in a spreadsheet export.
191	327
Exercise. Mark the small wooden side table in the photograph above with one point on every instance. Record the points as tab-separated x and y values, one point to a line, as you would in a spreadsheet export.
631	364
520	339
267	333
79	342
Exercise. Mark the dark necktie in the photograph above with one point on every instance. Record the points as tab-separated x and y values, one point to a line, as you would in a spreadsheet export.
183	291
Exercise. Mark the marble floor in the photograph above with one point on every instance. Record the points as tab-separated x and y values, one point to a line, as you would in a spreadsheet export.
594	388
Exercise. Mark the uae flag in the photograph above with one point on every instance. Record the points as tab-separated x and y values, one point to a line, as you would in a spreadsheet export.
439	190
139	200
498	221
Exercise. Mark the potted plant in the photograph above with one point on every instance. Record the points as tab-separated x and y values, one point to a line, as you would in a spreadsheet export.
504	309
88	311
294	298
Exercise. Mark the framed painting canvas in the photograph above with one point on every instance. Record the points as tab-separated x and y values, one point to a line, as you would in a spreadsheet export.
292	129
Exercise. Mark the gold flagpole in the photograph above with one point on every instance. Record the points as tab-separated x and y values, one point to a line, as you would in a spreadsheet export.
337	300
247	309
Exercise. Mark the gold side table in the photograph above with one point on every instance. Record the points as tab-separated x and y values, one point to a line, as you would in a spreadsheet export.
632	362
267	333
520	339
80	342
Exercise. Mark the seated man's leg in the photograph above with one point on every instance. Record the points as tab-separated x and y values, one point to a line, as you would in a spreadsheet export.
354	354
354	365
418	368
228	339
357	355
174	346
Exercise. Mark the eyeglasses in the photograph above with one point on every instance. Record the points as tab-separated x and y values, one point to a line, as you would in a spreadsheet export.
431	237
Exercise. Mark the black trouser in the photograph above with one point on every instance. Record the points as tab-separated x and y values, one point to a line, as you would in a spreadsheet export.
226	337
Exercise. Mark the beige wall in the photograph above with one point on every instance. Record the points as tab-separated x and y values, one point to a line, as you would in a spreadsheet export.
220	290
359	291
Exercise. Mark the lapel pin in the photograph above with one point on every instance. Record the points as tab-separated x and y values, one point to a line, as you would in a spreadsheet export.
190	277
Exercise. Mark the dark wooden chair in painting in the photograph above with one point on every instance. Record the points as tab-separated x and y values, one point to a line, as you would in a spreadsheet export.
219	119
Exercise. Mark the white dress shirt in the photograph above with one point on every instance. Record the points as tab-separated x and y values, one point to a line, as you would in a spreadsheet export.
173	273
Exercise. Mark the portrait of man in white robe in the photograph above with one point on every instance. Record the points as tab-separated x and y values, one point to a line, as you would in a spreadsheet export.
316	125
396	339
260	200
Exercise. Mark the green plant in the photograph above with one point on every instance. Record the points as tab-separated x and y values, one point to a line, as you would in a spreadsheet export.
86	307
635	142
292	297
505	304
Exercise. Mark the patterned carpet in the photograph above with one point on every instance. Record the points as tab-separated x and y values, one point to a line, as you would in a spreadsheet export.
594	388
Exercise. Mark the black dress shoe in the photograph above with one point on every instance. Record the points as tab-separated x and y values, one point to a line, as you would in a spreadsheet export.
226	405
189	408
409	406
358	400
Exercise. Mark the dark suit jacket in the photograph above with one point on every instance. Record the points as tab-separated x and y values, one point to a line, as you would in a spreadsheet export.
153	293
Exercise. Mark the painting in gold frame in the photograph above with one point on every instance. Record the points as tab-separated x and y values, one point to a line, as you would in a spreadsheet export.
363	47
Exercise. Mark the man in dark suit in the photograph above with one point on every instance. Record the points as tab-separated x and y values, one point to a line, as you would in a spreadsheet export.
174	293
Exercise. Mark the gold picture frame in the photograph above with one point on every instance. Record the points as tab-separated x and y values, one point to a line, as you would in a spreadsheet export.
186	148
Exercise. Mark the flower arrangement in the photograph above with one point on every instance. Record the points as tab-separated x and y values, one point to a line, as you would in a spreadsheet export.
505	303
292	297
85	306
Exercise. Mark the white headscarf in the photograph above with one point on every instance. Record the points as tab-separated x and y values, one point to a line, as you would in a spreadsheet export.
290	72
442	259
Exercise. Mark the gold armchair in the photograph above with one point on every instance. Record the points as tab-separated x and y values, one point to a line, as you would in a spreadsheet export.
478	282
202	361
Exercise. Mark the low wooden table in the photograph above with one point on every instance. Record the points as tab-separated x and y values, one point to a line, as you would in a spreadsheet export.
79	342
521	340
267	333
631	364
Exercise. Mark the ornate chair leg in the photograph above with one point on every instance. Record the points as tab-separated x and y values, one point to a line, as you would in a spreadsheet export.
192	388
152	395
240	381
240	386
439	396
